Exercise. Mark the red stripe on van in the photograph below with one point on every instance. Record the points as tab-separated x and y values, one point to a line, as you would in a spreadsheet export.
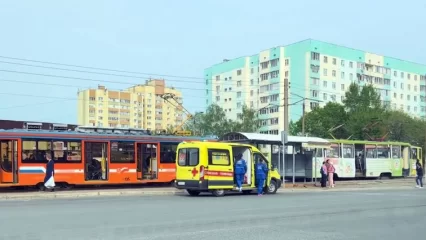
219	174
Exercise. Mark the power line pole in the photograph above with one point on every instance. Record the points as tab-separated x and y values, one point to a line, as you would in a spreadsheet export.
286	105
303	118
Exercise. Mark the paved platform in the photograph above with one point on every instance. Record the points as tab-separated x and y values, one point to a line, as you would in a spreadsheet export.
390	215
173	191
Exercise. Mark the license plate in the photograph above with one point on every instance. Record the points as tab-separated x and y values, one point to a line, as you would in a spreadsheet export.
181	183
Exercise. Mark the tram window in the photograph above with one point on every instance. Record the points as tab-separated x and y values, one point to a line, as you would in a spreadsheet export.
73	151
396	151
382	152
122	152
35	151
413	153
371	153
219	157
63	152
168	152
333	152
188	157
318	152
348	151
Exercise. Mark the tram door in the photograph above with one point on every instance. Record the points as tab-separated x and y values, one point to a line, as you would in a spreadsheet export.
147	164
8	161
96	157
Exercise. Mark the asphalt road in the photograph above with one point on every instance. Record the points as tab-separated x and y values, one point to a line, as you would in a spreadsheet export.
319	215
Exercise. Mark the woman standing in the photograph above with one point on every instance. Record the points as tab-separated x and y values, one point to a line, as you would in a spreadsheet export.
330	172
323	172
419	170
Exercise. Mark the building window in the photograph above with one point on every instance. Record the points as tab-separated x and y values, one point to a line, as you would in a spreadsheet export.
238	94
333	85
342	75
286	62
315	56
351	64
274	74
314	68
342	63
314	93
325	59
325	72
324	84
334	61
351	76
343	87
324	96
274	62
333	73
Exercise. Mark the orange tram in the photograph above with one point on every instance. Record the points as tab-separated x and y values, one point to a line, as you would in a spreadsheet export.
83	157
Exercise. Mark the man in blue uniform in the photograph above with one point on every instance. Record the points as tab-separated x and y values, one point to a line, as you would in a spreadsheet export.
240	170
261	173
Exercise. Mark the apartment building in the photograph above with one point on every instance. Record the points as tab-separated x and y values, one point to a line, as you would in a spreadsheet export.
140	106
318	72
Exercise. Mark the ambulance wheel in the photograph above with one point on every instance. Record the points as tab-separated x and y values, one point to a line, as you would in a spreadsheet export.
218	193
272	188
193	192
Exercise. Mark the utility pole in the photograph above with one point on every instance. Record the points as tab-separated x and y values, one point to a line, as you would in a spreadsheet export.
304	99
286	105
424	150
303	118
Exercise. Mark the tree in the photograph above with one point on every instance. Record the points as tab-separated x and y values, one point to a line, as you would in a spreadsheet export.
404	128
215	122
248	120
319	121
362	117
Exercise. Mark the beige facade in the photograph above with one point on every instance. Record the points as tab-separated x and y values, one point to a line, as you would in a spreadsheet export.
140	106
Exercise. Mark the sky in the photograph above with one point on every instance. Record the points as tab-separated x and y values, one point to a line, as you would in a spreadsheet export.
175	41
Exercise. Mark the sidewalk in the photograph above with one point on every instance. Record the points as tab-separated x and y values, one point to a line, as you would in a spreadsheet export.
89	193
169	191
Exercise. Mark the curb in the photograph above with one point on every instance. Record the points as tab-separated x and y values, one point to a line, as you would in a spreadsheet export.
72	195
88	194
295	190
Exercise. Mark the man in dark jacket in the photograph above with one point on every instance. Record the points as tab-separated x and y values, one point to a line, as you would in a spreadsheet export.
419	170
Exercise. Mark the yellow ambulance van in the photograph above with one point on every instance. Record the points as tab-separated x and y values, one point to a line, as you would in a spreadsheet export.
209	167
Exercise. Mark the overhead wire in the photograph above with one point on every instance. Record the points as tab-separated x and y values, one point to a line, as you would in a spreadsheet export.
108	74
104	81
